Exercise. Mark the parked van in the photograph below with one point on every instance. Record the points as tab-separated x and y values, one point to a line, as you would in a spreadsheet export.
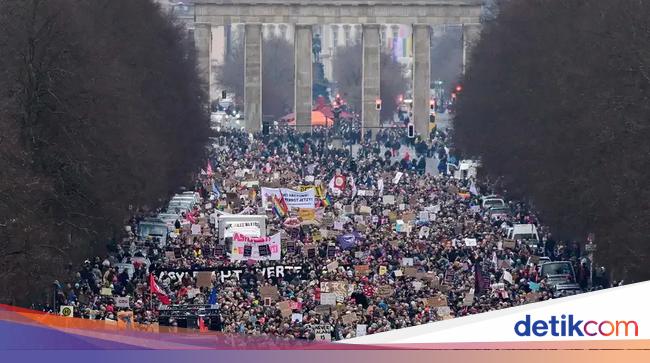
526	233
152	227
492	201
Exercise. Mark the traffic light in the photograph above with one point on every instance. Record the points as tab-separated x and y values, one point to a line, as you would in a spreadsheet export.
453	96
265	128
378	104
459	88
432	105
224	94
432	118
411	131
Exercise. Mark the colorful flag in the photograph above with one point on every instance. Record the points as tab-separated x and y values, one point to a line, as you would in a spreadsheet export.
280	206
208	169
155	289
327	201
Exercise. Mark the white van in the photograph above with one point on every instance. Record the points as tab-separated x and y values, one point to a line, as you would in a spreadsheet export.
492	201
526	233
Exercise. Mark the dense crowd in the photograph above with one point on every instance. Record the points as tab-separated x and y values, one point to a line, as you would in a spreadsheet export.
432	254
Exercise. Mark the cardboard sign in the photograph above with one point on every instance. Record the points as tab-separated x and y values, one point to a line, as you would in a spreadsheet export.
269	292
349	318
410	272
437	301
398	273
324	309
508	243
106	291
169	255
340	288
533	297
408	217
333	266
365	210
204	279
385	291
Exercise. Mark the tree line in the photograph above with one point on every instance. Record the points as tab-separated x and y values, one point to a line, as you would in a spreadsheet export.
101	117
555	103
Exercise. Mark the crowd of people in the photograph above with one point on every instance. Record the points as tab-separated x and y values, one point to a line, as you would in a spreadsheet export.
422	248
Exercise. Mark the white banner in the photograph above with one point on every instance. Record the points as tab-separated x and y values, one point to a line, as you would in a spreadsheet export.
248	228
293	198
255	248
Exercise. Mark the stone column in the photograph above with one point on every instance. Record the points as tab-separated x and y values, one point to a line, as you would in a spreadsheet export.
302	96
471	35
253	76
421	78
370	79
203	44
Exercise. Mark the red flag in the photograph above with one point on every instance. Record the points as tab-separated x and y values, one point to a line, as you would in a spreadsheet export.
155	289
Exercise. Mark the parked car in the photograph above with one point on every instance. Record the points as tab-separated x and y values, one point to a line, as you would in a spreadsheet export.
566	289
558	273
526	233
496	212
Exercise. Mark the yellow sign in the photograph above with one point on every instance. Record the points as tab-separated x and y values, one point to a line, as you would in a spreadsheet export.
382	270
319	190
307	214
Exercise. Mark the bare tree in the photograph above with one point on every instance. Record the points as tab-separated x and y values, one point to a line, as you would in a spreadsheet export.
101	112
559	111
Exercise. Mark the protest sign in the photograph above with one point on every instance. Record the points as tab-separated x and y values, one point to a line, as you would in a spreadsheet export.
340	288
437	301
424	216
106	291
349	318
121	302
204	279
382	270
293	198
296	317
269	292
508	243
385	291
262	248
407	261
410	272
470	242
388	199
307	214
362	329
323	332
361	270
327	298
333	266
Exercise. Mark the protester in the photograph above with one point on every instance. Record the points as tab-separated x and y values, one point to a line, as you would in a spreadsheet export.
431	254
